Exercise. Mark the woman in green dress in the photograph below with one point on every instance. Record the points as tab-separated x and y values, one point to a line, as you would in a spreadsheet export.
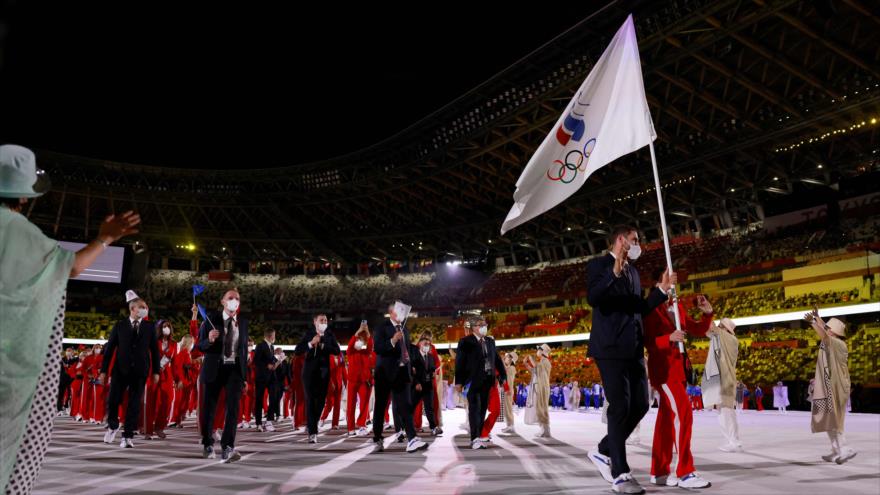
34	271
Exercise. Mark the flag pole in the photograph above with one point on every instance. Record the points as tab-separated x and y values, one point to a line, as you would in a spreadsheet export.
672	293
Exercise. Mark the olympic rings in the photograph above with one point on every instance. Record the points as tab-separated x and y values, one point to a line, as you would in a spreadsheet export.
577	164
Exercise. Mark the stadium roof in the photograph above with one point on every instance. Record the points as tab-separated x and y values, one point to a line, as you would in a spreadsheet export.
752	102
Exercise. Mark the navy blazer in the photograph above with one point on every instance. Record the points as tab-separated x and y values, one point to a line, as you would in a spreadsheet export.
263	357
316	368
618	307
132	356
214	352
469	364
388	366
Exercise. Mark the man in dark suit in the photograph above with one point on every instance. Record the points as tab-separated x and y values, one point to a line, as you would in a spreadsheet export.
316	345
133	341
223	341
617	345
282	378
264	379
393	375
476	363
425	368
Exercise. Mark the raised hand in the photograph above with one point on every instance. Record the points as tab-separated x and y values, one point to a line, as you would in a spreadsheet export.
116	227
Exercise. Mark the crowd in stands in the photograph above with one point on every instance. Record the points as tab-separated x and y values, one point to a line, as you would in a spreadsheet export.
768	301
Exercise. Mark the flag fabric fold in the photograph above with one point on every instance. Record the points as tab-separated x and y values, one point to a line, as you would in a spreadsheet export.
607	118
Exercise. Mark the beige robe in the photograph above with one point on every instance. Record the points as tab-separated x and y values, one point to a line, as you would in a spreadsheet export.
542	390
723	351
831	386
508	396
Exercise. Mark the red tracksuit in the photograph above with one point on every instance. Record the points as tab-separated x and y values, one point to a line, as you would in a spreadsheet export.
87	394
493	409
299	392
246	407
666	372
76	388
338	378
360	379
417	412
95	396
182	369
160	395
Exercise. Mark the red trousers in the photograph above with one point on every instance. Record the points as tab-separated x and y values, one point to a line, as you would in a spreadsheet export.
87	399
287	403
334	403
358	392
417	412
494	409
158	407
76	389
299	406
672	429
97	402
181	403
759	403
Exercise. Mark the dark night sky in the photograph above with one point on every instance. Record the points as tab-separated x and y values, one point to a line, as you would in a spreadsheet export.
205	88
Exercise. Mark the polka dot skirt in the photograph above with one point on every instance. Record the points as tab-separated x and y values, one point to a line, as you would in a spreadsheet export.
39	426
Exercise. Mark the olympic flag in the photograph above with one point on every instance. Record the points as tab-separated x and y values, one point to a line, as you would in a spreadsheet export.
606	119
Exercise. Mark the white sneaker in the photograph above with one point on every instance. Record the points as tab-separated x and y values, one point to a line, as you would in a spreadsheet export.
387	426
602	463
415	445
126	443
665	480
269	427
313	438
693	480
485	439
625	483
827	458
362	432
477	444
352	433
510	430
730	447
845	456
109	435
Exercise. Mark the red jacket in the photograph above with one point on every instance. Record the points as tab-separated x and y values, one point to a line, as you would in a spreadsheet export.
182	367
665	362
194	332
92	366
360	362
166	374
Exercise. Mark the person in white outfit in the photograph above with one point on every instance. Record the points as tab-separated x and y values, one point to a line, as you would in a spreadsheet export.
780	397
719	381
832	386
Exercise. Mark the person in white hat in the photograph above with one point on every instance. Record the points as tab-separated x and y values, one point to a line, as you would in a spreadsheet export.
719	380
509	387
832	386
35	272
539	395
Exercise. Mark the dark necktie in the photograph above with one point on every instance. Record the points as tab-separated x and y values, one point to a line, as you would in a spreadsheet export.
227	339
404	352
134	327
486	364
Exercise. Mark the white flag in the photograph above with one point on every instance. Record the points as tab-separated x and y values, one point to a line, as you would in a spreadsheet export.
402	311
606	119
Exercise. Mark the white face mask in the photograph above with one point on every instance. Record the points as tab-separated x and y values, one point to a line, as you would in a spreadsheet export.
142	313
97	351
426	348
321	328
166	331
634	252
484	330
231	305
250	348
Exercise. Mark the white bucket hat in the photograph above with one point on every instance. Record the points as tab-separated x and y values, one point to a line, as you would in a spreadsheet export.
836	327
19	175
